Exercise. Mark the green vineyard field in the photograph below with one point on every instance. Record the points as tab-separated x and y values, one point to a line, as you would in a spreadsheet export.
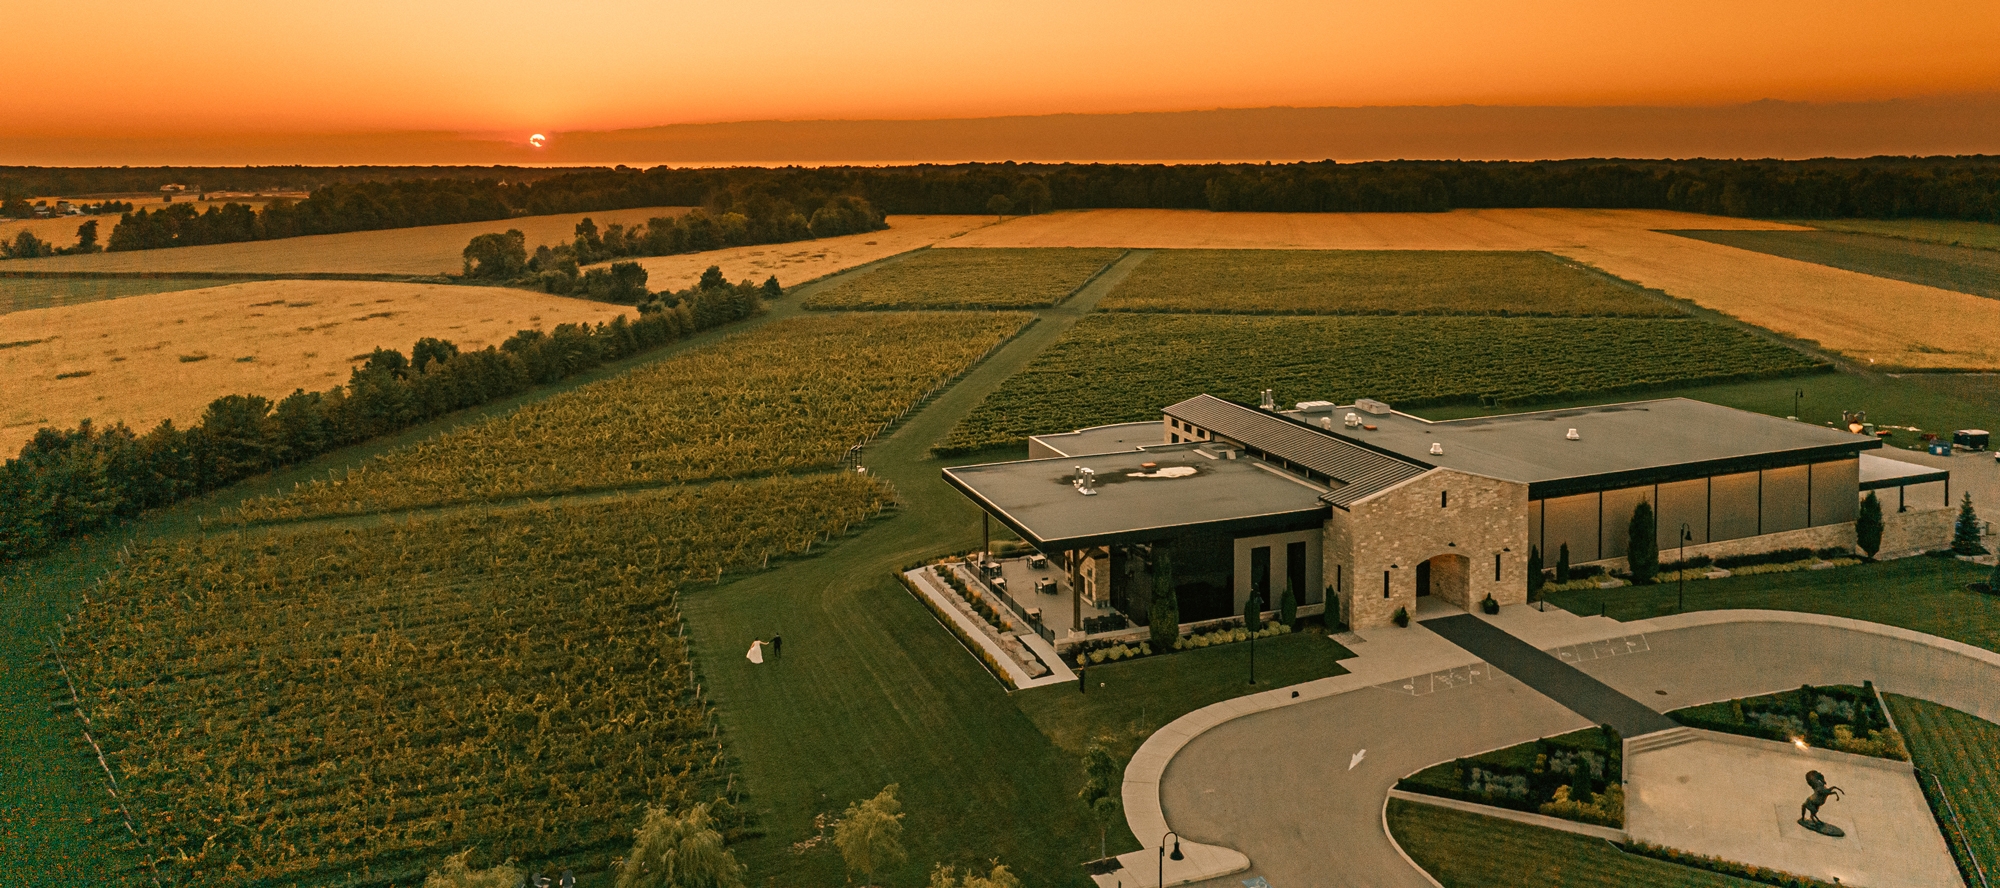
1964	752
789	397
967	278
1125	367
347	707
1377	282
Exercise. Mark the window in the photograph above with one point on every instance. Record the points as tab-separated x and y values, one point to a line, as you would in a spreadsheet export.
1260	575
1338	569
1385	584
1444	499
1295	573
1496	567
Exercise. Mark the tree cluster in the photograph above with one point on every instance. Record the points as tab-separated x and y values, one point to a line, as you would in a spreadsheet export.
27	246
20	208
66	483
559	269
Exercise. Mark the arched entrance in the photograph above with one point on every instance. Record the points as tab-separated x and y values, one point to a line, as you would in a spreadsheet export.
1449	577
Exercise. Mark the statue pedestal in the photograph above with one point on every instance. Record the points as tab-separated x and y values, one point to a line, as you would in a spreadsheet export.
1823	828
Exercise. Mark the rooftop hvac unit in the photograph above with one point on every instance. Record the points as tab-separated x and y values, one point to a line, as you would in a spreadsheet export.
1352	421
1370	405
1326	422
1437	448
1315	406
1571	435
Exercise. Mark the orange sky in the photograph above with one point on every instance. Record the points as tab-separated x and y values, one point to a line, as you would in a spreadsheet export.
502	66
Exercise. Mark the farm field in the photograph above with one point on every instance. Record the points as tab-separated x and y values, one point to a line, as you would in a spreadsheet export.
21	293
1125	367
791	396
427	250
1960	269
1952	232
1542	229
797	263
986	279
515	682
1964	753
167	355
1933	402
1872	320
1363	282
1465	850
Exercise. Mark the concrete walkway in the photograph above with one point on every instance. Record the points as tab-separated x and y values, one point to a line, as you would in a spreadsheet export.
1297	786
1552	677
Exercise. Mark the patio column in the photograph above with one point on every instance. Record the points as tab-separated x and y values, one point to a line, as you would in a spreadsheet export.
985	538
1075	557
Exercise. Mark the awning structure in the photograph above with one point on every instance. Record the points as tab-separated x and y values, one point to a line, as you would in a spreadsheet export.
1880	472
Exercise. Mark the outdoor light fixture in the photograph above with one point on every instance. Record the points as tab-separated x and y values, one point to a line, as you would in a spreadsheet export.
1177	855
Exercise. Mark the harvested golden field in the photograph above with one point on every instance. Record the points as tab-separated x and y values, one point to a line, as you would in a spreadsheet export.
166	355
1871	319
23	293
796	263
432	249
1456	230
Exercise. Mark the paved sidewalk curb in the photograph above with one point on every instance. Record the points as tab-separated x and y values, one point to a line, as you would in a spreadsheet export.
1141	790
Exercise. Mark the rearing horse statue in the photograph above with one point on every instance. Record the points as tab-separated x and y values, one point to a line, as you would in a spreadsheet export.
1809	812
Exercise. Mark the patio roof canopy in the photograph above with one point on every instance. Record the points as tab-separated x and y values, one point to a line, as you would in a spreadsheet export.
1184	490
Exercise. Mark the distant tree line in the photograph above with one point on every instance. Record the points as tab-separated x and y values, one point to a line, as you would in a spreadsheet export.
27	246
20	208
1942	187
555	269
19	181
71	482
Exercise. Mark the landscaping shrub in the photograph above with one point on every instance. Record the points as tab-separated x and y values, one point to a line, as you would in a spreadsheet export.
1575	776
1562	564
1489	605
1402	617
1868	525
1841	717
1965	531
1642	552
1106	623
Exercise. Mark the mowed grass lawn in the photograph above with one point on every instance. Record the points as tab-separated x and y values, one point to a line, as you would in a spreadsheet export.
1964	269
1924	594
1964	753
962	278
871	691
1464	850
1448	282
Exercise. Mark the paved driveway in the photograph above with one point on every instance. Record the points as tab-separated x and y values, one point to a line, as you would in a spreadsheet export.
1276	785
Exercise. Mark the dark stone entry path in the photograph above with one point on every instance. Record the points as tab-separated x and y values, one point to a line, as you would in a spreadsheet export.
1559	681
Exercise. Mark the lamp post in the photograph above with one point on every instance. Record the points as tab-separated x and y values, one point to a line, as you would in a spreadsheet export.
1686	534
1164	855
1796	395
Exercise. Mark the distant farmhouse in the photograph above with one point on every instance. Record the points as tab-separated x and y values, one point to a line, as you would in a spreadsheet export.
1363	510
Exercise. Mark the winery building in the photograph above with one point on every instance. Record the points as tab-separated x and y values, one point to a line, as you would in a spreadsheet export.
1363	509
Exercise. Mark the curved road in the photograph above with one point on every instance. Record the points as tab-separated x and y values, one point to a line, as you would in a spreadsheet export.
1276	785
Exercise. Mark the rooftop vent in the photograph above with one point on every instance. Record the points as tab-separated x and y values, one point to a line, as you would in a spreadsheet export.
1572	435
1437	448
1371	405
1326	422
1269	403
1315	406
1352	421
1086	481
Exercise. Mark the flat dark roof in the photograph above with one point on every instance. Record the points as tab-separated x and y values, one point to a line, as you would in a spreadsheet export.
1633	443
1184	490
1106	438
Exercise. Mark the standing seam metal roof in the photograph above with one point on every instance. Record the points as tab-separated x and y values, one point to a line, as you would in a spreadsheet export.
1359	470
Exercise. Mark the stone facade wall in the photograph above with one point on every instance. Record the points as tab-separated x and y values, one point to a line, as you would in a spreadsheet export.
1277	542
1915	531
1399	528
